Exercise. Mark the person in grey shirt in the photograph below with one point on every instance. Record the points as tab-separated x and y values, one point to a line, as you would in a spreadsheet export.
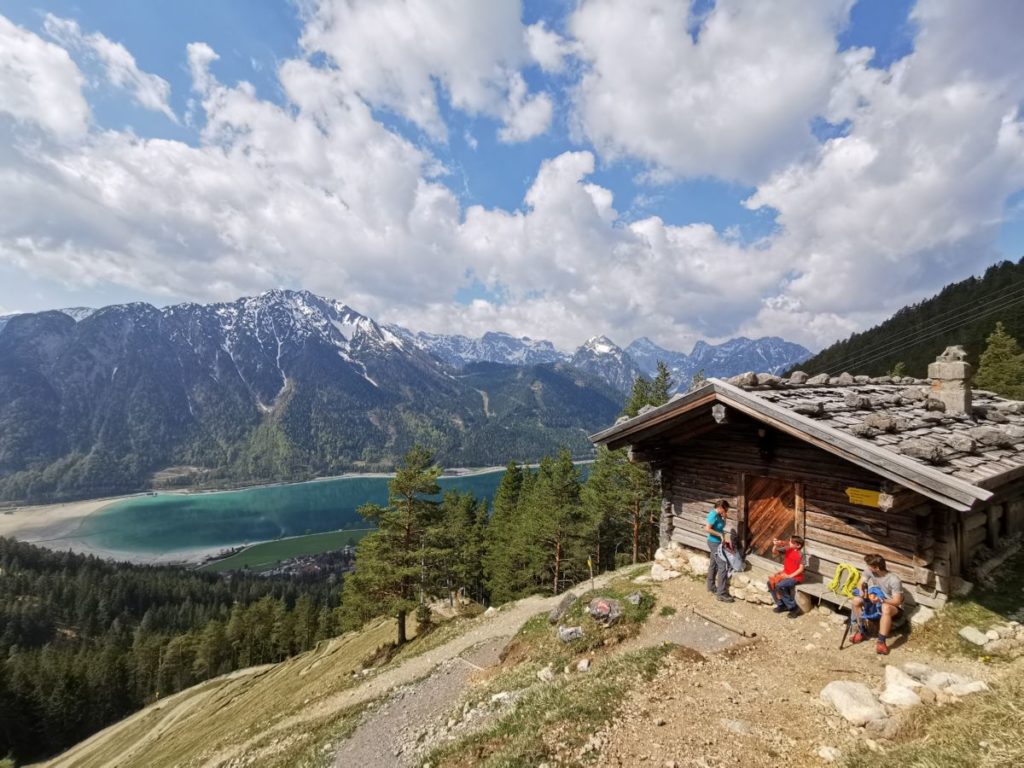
892	602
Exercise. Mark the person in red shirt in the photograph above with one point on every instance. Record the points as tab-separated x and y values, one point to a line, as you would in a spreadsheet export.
792	573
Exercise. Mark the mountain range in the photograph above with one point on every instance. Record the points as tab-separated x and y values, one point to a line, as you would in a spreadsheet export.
284	386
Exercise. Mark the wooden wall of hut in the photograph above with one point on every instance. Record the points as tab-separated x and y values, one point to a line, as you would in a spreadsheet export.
916	536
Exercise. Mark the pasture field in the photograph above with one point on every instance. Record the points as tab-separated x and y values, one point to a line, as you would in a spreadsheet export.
264	556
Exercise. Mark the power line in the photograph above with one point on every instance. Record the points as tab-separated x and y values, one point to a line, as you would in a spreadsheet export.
894	345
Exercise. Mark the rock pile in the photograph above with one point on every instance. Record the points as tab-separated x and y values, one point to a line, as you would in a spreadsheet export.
674	560
1002	639
911	685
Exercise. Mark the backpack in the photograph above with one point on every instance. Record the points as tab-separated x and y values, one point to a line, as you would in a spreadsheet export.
846	580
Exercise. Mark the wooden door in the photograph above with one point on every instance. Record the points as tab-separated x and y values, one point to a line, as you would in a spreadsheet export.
771	512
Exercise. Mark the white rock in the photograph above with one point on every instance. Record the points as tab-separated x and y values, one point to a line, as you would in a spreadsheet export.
897	678
739	580
829	754
918	671
739	727
546	675
921	616
809	647
940	681
699	564
966	689
659	573
502	698
898	696
659	555
992	635
974	635
490	611
854	701
583	665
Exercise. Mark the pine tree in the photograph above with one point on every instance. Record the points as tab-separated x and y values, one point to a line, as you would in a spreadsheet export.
623	497
562	528
499	559
391	563
1001	367
661	388
639	396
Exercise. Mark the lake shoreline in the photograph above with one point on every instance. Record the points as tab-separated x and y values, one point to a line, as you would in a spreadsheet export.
58	526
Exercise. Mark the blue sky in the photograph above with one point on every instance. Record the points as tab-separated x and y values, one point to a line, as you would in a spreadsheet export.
554	169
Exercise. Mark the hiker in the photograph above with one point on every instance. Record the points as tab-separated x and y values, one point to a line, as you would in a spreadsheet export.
718	577
888	594
783	584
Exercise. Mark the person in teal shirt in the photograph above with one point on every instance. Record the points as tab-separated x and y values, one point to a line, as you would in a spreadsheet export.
715	526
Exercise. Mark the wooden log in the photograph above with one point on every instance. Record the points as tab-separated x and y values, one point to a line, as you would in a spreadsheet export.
858	547
975	538
689	539
871	531
975	520
836	555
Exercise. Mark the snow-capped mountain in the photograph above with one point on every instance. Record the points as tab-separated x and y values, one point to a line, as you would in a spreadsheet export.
283	385
492	347
601	357
769	354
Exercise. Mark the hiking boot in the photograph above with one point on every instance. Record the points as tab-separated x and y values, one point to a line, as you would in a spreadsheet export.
725	598
881	648
780	609
794	614
858	637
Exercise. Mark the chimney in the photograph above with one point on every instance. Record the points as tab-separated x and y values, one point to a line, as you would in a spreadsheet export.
951	380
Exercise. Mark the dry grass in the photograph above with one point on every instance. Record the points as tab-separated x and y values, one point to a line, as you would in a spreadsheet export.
985	606
986	731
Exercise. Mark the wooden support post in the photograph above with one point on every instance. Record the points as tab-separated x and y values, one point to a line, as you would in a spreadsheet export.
994	514
800	514
741	510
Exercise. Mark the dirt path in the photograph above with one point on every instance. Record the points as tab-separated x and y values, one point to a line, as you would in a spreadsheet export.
754	706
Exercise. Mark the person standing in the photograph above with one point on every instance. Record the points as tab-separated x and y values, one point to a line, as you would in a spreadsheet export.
718	579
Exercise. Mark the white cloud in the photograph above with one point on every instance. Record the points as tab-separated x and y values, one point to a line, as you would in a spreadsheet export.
150	91
40	84
315	192
399	54
547	48
735	104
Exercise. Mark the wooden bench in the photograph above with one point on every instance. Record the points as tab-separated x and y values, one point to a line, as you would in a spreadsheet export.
821	593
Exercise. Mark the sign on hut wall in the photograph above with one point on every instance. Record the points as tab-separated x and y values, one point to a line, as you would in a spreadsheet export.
868	498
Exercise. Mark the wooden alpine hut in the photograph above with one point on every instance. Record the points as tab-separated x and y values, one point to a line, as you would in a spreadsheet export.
927	473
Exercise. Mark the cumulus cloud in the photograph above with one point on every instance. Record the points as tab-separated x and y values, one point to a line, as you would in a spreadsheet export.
148	90
398	55
316	192
735	102
547	47
40	84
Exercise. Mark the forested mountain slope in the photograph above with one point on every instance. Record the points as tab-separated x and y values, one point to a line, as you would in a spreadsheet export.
962	313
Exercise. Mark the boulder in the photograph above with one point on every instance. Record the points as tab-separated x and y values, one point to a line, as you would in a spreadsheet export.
798	377
862	379
634	598
818	381
699	564
829	754
973	635
857	401
940	681
546	675
562	608
918	671
748	379
961	442
844	379
568	634
815	408
897	678
991	437
966	689
661	573
921	616
853	701
924	450
900	697
768	380
583	665
605	610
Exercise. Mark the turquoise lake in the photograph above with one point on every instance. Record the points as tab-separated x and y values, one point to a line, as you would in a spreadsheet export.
172	522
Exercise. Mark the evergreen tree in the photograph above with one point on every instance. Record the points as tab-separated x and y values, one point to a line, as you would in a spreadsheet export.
500	559
623	497
562	529
639	396
697	381
1001	368
391	561
661	388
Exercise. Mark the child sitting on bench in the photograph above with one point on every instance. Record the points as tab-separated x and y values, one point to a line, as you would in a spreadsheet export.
783	584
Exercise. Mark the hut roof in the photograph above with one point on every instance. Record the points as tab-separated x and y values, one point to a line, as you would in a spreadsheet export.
889	428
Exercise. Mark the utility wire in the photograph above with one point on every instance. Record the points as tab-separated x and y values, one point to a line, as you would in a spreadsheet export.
907	340
997	303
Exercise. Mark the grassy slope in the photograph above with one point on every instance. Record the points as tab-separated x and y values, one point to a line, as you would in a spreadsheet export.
262	557
187	728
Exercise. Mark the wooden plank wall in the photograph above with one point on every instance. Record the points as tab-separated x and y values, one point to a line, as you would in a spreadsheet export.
915	537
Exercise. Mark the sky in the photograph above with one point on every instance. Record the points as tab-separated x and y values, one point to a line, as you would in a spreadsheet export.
558	169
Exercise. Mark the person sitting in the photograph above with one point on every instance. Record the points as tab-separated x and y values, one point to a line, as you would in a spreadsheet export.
783	584
888	593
